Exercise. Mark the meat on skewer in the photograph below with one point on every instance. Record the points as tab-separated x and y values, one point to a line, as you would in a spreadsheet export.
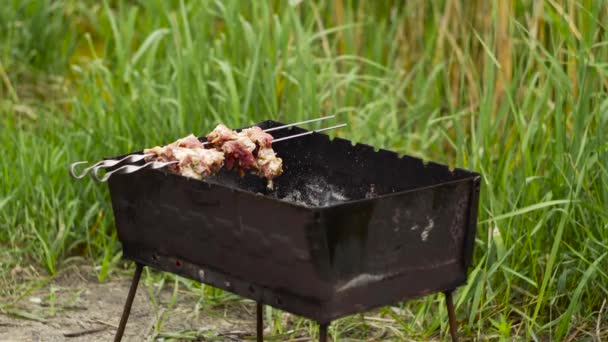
249	150
269	165
240	152
220	134
195	161
258	136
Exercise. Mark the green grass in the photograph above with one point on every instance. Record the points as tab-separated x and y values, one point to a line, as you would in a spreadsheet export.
516	91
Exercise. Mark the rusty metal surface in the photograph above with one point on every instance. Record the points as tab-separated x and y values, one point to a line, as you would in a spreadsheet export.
404	229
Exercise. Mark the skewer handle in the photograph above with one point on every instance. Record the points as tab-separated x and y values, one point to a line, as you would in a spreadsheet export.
131	169
132	158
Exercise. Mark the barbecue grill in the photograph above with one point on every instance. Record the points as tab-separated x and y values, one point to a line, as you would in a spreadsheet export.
347	228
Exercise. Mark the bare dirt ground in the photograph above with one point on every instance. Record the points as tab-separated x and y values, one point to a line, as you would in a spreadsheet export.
76	307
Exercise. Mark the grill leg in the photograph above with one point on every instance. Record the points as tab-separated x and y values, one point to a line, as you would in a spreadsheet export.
451	315
127	309
323	332
260	324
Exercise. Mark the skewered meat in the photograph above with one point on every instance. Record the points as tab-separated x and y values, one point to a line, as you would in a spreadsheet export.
240	152
251	149
220	135
198	163
258	136
189	141
269	165
195	161
238	149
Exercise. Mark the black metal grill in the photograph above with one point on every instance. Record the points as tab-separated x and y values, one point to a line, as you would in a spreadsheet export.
347	228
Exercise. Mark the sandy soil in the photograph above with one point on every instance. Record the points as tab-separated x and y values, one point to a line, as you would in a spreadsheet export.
86	310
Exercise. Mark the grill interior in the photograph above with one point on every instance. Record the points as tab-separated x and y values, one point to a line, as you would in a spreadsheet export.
319	172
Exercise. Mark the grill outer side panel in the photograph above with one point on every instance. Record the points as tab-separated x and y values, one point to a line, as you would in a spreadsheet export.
398	247
241	235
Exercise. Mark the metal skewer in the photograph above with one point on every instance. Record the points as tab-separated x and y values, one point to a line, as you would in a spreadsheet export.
307	133
158	165
299	123
137	157
291	125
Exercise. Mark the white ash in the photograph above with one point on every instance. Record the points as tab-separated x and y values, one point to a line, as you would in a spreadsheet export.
371	193
316	192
